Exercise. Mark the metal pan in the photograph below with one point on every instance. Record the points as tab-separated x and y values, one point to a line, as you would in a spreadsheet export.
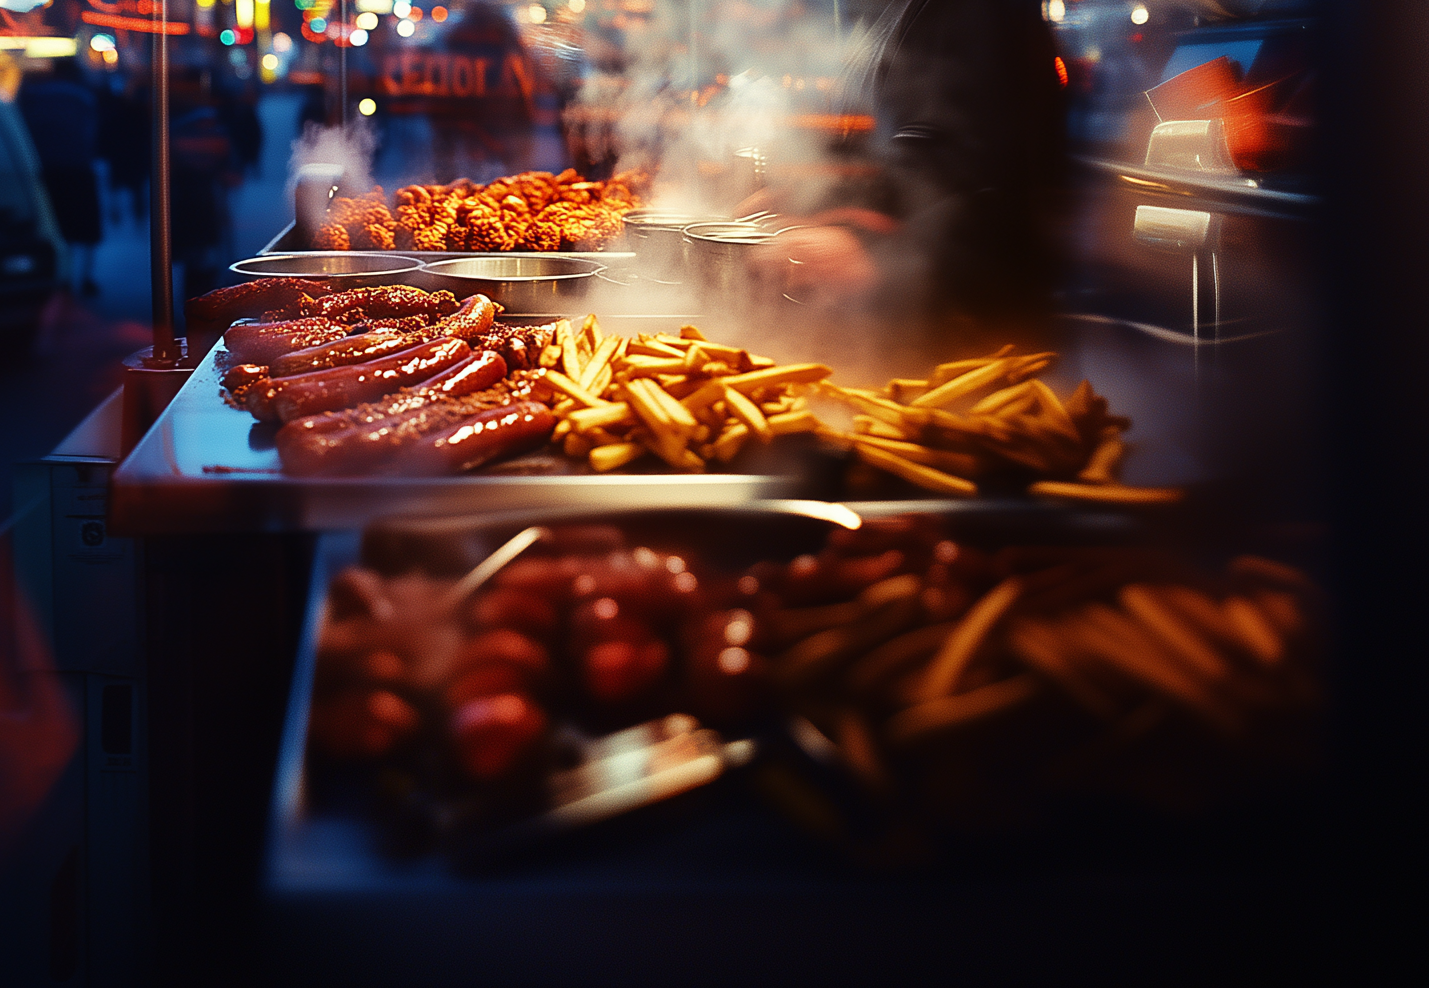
522	283
352	268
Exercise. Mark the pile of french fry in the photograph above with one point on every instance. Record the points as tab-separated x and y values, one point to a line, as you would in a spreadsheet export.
684	399
1123	639
992	415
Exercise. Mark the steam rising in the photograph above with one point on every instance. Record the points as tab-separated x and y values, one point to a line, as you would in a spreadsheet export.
351	147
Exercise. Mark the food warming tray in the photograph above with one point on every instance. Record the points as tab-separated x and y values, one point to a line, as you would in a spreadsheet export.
726	893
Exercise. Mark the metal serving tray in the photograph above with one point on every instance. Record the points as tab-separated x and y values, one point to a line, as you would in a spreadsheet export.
287	241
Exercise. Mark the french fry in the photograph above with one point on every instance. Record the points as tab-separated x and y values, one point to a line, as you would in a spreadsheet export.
788	423
1102	466
550	356
730	442
570	354
691	333
927	720
1038	645
650	347
599	361
748	413
640	365
867	425
1255	632
590	329
896	655
965	384
970	634
614	456
956	368
1141	602
1055	412
601	416
905	390
566	386
1001	399
771	375
1106	493
576	445
926	477
958	464
1117	641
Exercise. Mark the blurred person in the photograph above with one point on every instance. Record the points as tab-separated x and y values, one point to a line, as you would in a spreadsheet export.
62	114
960	170
203	166
124	129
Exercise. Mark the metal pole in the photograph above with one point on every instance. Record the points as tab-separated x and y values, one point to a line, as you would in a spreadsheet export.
161	269
342	65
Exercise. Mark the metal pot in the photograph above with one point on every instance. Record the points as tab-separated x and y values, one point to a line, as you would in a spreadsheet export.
718	253
522	283
351	268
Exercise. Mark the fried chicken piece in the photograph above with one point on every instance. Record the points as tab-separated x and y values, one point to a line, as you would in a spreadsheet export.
373	236
331	236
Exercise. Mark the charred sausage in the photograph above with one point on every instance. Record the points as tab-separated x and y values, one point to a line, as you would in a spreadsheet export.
289	398
264	342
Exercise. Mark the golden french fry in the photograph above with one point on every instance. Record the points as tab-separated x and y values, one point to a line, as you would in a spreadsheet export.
678	413
645	366
950	391
570	388
867	425
691	333
931	718
1029	366
550	356
1055	412
999	400
946	372
576	445
748	413
705	395
788	423
590	329
646	346
874	406
562	429
926	477
730	442
958	464
771	375
1106	493
673	341
598	363
570	353
971	632
1102	466
902	389
601	416
614	456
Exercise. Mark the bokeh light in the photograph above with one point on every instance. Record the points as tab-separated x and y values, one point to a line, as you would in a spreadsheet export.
366	21
102	42
358	38
537	13
439	14
270	62
226	36
401	8
367	106
577	6
282	42
1140	15
406	28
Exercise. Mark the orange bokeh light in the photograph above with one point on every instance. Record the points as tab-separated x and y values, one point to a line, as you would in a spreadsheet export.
416	14
439	14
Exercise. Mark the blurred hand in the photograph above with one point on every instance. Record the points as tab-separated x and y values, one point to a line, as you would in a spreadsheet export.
815	264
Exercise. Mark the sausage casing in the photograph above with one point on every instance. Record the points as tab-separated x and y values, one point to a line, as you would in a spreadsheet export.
289	398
